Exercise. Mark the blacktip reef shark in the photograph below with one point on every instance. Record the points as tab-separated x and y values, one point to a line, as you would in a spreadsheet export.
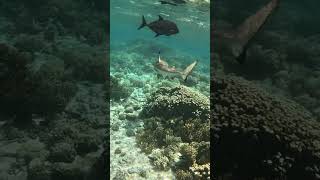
237	41
163	68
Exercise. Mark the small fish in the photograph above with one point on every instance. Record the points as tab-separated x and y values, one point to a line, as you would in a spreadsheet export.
237	40
161	26
163	68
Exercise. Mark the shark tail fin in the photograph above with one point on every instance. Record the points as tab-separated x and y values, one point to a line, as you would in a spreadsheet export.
248	29
144	23
188	70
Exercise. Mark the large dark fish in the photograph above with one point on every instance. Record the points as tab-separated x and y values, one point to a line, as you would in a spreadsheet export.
167	2
237	40
179	1
173	2
161	26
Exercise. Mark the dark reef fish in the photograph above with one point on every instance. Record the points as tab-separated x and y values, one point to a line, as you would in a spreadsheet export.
173	2
237	41
167	2
161	26
163	68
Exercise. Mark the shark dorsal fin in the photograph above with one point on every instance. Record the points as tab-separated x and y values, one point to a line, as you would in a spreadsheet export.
160	18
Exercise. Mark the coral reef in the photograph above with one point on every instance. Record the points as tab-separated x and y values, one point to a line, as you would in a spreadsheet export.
179	101
52	98
259	135
172	117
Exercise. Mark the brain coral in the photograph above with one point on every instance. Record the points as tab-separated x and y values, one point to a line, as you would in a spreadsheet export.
259	135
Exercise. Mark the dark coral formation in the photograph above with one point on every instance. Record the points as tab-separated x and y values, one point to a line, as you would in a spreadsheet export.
117	90
15	87
177	120
27	90
257	135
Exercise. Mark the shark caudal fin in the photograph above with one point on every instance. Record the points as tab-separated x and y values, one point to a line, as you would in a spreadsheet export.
254	23
186	72
247	30
144	23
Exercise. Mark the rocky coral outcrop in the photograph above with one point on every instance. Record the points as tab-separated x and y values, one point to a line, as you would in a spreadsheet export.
179	101
256	134
176	120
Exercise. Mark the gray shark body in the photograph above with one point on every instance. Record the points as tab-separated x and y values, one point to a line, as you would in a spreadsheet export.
164	69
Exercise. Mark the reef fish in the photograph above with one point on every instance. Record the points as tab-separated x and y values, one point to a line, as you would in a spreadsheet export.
163	68
237	41
161	26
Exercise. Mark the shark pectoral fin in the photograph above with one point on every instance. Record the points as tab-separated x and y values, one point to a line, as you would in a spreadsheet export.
186	72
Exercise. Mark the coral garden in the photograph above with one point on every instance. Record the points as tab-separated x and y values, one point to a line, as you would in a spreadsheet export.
163	124
159	125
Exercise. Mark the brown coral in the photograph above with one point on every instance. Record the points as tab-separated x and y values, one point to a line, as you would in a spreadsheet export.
179	101
250	127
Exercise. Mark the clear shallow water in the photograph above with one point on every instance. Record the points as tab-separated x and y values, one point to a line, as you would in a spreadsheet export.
131	63
193	24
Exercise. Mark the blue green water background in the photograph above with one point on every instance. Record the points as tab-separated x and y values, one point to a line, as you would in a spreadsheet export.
193	23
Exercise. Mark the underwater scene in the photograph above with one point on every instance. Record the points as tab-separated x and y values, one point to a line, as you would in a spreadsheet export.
53	108
265	97
159	89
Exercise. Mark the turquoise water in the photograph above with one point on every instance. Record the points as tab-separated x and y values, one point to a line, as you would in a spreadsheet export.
133	53
193	24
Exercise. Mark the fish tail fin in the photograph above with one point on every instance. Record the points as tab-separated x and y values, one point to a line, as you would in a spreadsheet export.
188	70
249	28
144	23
